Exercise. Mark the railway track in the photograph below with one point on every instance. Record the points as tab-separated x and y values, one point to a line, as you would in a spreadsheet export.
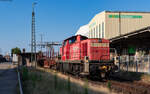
122	85
117	84
129	86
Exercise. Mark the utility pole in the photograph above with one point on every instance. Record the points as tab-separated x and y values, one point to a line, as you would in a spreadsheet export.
120	36
0	51
33	37
41	41
120	24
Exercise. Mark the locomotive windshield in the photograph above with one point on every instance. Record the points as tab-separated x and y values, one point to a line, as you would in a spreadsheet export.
73	39
65	42
83	38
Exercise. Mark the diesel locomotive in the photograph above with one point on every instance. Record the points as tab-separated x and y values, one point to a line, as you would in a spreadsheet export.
80	55
85	56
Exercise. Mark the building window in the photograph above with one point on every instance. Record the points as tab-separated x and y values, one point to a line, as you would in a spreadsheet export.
102	29
99	31
91	33
96	31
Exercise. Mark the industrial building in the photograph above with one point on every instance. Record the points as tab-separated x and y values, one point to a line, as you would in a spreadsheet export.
109	24
128	32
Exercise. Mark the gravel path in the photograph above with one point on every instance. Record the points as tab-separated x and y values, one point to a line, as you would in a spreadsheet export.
8	79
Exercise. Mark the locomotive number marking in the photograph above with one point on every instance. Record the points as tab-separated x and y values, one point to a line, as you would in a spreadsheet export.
99	44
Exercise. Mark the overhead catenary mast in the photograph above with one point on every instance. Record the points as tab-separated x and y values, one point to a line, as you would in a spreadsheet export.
33	36
41	41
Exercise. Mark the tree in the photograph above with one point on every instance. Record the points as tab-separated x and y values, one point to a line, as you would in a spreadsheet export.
15	50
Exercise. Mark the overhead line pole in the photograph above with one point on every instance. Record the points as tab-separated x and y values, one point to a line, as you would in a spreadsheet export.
41	41
33	37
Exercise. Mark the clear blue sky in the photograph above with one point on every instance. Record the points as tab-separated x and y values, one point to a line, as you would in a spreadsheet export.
55	19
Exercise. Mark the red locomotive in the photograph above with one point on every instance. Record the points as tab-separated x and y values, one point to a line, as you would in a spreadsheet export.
88	56
79	47
80	55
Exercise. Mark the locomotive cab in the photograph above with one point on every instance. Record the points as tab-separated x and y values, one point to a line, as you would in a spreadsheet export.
71	47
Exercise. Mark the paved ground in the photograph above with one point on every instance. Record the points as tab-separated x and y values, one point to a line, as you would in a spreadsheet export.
8	79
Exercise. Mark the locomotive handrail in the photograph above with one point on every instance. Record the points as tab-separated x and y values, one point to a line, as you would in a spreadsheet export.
102	56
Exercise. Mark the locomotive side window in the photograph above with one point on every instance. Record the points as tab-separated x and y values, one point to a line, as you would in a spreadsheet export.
64	43
72	40
83	38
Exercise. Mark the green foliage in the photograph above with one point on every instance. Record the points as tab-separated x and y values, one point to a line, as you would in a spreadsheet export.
34	77
86	86
68	84
25	74
40	77
55	80
109	85
40	82
15	50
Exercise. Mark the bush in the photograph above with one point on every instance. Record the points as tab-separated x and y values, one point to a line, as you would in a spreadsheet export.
25	74
109	85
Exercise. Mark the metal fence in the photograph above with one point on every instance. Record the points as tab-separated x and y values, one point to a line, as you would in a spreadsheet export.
135	64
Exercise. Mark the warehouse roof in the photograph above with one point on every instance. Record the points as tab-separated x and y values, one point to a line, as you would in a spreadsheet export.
83	30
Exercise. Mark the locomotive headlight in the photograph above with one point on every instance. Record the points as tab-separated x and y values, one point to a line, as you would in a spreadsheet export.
103	67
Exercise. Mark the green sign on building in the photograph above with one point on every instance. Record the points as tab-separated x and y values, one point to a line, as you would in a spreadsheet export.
125	16
131	50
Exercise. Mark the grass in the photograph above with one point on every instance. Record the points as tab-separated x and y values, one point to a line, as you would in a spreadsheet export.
85	86
109	85
17	89
41	82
